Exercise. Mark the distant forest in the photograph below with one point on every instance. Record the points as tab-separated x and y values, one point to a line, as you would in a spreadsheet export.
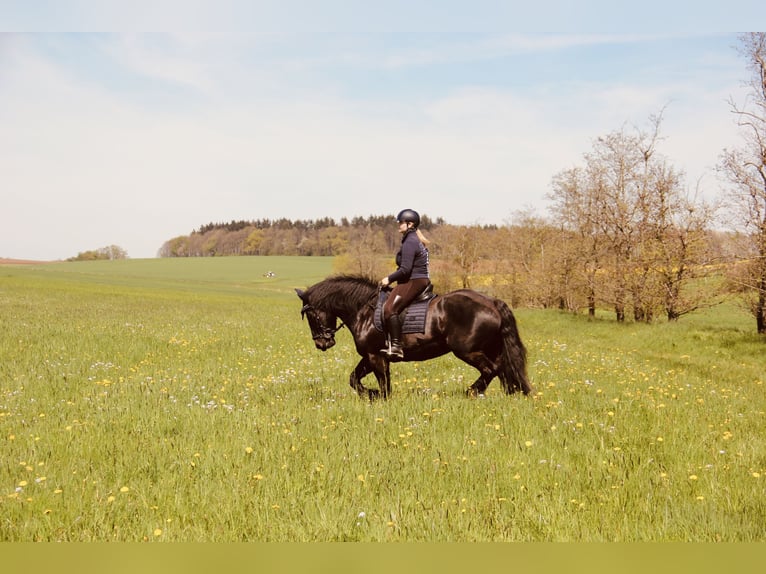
285	237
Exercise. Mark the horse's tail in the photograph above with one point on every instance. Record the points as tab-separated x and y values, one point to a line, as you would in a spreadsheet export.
513	367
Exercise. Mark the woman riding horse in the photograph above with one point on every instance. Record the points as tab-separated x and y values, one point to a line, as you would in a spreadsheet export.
477	329
411	277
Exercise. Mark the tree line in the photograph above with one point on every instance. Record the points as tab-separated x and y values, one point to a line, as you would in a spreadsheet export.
283	236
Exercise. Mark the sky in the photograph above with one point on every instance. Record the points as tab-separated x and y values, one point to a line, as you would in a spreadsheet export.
129	128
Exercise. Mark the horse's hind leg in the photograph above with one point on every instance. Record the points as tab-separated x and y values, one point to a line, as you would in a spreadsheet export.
486	368
478	387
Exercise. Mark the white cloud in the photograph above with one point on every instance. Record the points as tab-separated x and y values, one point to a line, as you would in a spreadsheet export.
150	60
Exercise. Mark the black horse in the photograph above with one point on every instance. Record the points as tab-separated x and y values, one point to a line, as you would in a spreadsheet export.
478	329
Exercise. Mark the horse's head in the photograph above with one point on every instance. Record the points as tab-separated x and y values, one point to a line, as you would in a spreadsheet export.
322	323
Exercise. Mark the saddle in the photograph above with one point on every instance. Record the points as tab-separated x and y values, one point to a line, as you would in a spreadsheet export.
413	317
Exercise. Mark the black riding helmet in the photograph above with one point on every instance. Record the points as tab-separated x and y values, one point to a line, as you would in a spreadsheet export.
408	215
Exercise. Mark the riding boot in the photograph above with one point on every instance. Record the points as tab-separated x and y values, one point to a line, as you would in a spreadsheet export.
394	325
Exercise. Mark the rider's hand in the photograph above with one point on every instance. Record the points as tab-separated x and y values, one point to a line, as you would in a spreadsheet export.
384	281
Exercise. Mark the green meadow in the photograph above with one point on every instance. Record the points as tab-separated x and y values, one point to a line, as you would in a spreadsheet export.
183	400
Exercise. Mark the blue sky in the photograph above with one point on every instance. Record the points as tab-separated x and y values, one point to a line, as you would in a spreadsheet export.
284	110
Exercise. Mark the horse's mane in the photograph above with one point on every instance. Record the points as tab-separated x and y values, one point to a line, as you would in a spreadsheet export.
342	292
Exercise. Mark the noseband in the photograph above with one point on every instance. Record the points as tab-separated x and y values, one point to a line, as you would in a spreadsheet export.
324	331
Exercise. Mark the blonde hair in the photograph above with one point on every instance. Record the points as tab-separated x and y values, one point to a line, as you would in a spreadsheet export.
423	239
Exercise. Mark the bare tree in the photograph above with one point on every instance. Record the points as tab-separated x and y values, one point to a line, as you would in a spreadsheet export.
538	268
745	170
640	237
364	254
459	251
574	208
602	203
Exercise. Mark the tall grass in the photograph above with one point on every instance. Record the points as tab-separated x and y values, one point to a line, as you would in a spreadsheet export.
183	400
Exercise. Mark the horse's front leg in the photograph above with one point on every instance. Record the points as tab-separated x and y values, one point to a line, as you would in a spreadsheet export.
381	367
362	369
366	366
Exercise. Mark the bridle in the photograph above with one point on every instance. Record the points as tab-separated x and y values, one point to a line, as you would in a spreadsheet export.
325	332
328	332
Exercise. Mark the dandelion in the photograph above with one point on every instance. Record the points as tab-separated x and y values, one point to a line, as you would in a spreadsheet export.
360	478
756	475
158	531
528	443
249	450
110	499
693	477
125	489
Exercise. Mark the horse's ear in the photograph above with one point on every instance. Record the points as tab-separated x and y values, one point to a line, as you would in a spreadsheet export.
300	293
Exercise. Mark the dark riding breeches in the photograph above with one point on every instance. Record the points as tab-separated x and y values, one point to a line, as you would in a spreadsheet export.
402	295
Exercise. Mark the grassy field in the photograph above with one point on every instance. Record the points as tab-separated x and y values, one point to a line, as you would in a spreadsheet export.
183	400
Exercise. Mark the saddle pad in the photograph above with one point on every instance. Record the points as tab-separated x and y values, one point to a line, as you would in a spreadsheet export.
414	315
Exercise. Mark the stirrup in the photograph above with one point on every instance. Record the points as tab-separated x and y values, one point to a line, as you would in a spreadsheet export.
394	351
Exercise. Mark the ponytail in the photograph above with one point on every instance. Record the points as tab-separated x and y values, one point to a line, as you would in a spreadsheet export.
425	241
